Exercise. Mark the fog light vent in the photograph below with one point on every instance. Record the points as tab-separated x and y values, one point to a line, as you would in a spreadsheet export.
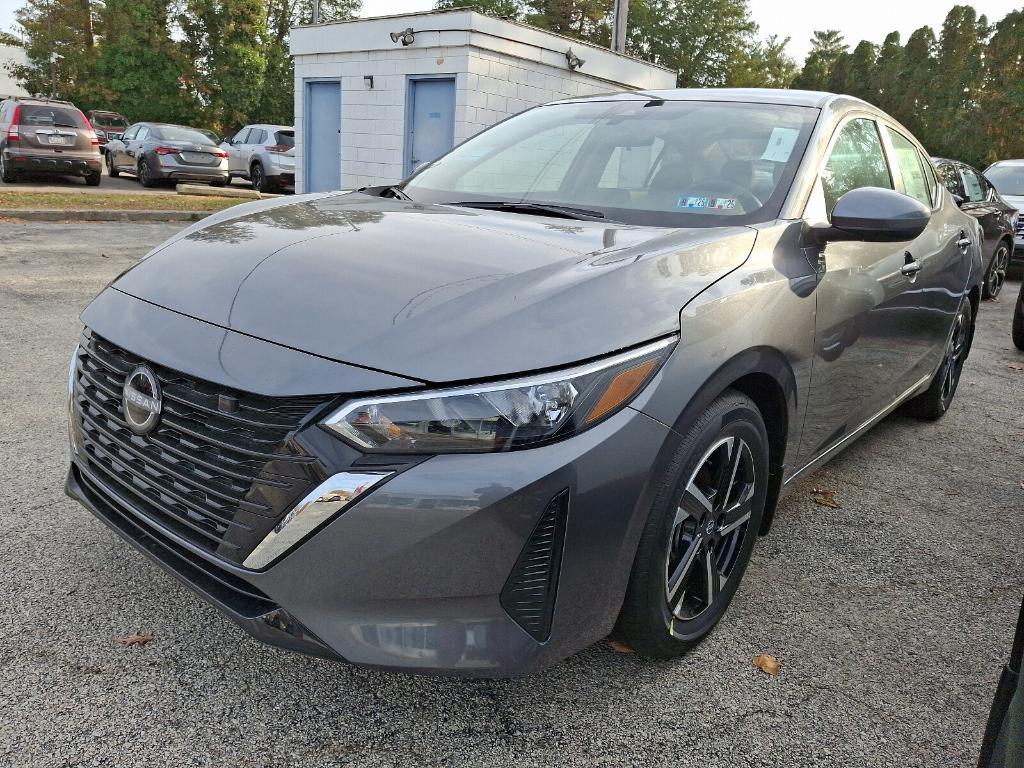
529	593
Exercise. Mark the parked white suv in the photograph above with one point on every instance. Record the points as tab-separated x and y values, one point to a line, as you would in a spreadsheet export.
263	154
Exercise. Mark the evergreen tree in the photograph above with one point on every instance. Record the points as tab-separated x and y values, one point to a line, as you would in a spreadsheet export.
826	48
764	65
501	9
854	73
887	73
587	20
913	91
1002	102
955	120
60	45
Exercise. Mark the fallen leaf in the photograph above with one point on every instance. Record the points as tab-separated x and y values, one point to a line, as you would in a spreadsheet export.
825	497
768	664
620	647
140	639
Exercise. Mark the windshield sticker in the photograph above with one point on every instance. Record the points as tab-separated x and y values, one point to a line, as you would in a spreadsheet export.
703	203
780	145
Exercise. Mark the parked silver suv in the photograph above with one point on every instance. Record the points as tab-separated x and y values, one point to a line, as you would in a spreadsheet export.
39	136
263	154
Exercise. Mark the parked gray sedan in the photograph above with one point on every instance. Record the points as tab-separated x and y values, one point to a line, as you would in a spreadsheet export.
157	152
548	388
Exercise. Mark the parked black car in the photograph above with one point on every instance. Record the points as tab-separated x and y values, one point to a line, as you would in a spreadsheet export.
550	386
157	152
1003	745
1007	176
977	196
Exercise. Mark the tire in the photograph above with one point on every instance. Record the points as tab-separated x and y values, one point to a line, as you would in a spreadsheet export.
145	175
258	178
7	173
1018	321
995	276
112	172
933	403
93	179
219	182
671	603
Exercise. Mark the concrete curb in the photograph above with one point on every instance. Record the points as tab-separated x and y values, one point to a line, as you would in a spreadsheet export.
59	214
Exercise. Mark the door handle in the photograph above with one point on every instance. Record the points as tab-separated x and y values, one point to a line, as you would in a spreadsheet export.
912	267
964	243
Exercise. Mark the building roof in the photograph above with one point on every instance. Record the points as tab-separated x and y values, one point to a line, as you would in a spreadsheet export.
748	95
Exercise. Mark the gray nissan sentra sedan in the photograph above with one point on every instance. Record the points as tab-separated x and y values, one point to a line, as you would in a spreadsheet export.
547	389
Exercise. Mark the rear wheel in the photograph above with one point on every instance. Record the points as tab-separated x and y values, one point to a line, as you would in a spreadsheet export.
112	172
146	175
996	275
1018	321
935	401
221	182
93	179
700	532
6	172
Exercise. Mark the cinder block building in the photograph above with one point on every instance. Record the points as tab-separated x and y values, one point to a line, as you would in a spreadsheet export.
375	98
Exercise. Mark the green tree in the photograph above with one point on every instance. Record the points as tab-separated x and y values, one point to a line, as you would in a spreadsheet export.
60	38
587	20
142	69
224	40
854	73
887	73
502	9
1002	102
826	48
763	65
955	119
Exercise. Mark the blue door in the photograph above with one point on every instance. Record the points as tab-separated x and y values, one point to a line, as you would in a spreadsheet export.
431	126
322	161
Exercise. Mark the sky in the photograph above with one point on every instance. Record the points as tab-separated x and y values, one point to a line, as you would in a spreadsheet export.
796	19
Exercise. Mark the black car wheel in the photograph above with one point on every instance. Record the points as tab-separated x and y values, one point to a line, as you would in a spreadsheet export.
145	175
221	182
700	532
93	179
1018	321
259	178
6	172
112	172
935	401
996	275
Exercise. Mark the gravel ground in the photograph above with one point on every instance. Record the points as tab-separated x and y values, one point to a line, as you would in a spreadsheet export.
891	616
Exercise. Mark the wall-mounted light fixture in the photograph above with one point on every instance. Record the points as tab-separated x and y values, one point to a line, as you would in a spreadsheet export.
574	61
368	81
405	37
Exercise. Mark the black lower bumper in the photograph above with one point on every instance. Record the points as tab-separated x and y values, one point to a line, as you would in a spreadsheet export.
241	602
56	165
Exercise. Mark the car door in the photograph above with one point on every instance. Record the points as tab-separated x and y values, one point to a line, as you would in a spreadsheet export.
257	137
867	339
135	148
235	149
940	251
120	148
979	203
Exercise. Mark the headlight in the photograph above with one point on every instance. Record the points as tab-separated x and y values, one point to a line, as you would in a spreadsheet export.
502	416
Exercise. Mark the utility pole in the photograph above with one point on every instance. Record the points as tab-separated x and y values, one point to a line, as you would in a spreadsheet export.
316	11
619	26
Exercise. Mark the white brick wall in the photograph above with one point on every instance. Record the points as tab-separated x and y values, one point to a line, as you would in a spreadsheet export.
494	77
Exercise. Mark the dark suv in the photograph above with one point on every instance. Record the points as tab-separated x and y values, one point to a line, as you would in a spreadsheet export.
977	196
41	136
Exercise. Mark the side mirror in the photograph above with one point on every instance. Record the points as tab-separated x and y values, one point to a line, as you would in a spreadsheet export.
877	215
957	199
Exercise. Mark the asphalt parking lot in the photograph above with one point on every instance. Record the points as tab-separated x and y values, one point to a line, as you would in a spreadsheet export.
125	183
891	615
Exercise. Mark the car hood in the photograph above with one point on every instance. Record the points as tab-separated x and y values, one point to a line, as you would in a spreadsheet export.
433	293
1017	201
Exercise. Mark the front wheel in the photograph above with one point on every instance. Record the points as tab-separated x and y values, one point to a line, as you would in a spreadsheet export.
933	403
1018	321
146	175
112	172
996	275
700	532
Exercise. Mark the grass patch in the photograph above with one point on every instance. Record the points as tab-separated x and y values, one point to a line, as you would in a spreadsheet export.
79	201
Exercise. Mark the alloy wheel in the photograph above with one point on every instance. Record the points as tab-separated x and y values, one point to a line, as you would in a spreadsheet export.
256	176
110	164
997	274
956	355
708	531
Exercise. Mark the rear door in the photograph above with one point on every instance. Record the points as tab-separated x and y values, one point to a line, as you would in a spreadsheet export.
257	137
235	164
982	206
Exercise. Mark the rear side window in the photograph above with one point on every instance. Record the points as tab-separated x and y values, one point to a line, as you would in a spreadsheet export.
950	178
857	160
285	139
43	115
258	136
973	185
917	181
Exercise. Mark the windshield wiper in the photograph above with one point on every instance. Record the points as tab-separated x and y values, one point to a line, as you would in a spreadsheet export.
544	209
385	191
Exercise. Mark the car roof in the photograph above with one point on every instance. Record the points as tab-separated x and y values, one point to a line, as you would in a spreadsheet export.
1013	162
787	97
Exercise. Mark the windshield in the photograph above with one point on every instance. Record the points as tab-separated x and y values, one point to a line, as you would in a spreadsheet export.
110	120
178	133
36	115
1007	179
662	163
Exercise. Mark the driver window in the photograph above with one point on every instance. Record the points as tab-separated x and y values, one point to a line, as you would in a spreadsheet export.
857	160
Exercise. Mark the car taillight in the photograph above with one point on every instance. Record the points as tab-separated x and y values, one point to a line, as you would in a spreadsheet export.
12	130
220	153
166	151
88	126
278	149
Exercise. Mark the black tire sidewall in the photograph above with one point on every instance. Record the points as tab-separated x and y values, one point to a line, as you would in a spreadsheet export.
732	414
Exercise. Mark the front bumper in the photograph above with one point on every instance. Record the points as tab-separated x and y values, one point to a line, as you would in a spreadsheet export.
51	163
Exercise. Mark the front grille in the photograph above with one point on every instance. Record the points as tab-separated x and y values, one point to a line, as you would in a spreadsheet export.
219	469
529	593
